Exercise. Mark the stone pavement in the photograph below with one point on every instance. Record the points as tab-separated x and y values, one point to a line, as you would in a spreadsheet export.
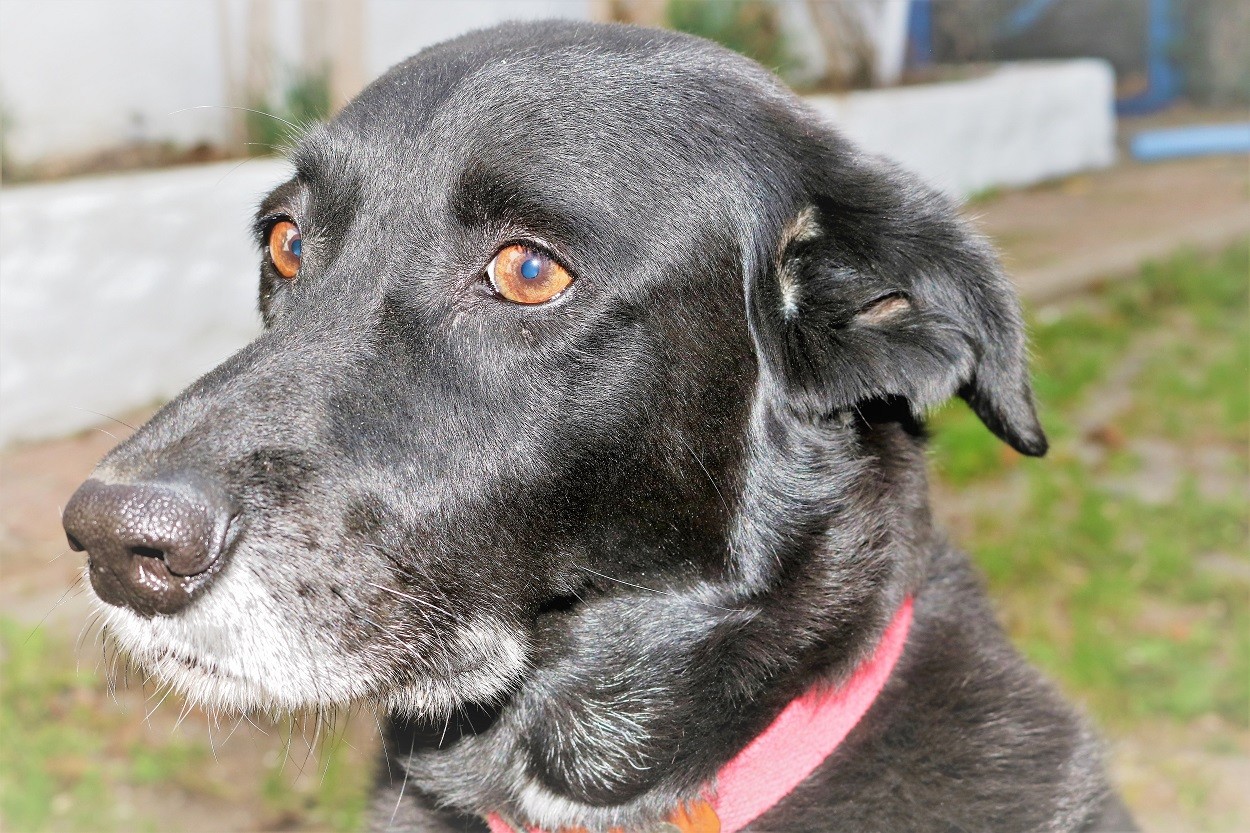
1065	237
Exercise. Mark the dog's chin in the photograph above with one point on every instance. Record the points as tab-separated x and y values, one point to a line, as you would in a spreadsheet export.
231	652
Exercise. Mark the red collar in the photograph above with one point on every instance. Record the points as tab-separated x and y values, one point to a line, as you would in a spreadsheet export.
805	733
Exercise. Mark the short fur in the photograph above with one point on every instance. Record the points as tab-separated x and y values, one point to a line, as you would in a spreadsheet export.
583	552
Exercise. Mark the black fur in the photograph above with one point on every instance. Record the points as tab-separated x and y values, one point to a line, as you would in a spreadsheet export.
601	542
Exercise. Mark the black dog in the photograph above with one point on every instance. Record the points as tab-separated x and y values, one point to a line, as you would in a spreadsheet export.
584	436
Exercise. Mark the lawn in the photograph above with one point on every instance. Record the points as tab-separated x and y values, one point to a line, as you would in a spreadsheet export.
1119	563
78	755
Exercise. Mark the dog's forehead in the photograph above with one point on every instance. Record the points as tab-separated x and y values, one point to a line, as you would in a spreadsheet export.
567	67
552	100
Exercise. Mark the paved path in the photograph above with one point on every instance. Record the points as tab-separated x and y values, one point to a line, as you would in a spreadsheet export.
1068	236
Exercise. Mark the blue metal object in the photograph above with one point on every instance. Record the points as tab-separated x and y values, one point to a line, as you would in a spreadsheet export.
1163	80
920	33
1195	140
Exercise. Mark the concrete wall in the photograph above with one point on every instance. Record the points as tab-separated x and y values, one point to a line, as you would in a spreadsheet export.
1020	124
78	76
117	291
110	91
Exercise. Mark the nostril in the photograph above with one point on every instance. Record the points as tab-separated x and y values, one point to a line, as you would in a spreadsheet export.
151	546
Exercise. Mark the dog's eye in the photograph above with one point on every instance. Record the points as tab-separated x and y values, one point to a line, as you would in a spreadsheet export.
285	247
527	275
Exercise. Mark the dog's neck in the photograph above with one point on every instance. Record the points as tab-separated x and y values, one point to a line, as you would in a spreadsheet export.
616	732
806	732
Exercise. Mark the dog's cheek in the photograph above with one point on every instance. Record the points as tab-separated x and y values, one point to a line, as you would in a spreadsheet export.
456	596
269	298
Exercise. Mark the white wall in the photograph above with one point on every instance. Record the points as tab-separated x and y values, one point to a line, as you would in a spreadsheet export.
118	291
1020	124
78	76
398	28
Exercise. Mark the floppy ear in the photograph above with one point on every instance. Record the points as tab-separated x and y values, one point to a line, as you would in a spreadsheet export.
877	291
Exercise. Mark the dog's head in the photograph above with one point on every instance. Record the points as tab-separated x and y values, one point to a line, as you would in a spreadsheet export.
553	312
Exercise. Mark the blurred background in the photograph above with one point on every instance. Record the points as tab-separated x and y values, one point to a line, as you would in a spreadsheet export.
1104	145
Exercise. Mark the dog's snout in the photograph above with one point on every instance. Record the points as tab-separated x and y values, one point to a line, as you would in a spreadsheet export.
151	547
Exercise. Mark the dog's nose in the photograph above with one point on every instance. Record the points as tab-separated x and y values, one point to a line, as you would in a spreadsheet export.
151	547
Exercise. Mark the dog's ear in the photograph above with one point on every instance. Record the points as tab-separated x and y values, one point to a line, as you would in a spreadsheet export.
875	291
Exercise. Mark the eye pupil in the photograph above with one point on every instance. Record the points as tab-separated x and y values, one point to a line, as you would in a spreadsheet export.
531	268
296	246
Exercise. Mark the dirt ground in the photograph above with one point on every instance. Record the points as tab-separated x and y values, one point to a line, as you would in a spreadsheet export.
1045	231
1062	236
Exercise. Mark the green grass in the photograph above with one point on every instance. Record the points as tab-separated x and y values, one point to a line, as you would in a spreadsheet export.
1122	563
746	26
333	795
273	125
73	758
53	741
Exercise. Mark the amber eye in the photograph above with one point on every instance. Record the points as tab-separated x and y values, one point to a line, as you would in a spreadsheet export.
526	275
285	246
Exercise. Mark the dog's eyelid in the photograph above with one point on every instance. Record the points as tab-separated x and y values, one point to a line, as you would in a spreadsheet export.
265	222
280	204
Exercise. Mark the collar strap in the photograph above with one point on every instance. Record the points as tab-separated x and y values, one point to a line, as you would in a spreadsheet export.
807	731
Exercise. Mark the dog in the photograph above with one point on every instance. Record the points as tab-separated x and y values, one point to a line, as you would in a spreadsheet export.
585	437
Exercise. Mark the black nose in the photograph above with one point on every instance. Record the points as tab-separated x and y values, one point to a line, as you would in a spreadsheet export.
151	547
